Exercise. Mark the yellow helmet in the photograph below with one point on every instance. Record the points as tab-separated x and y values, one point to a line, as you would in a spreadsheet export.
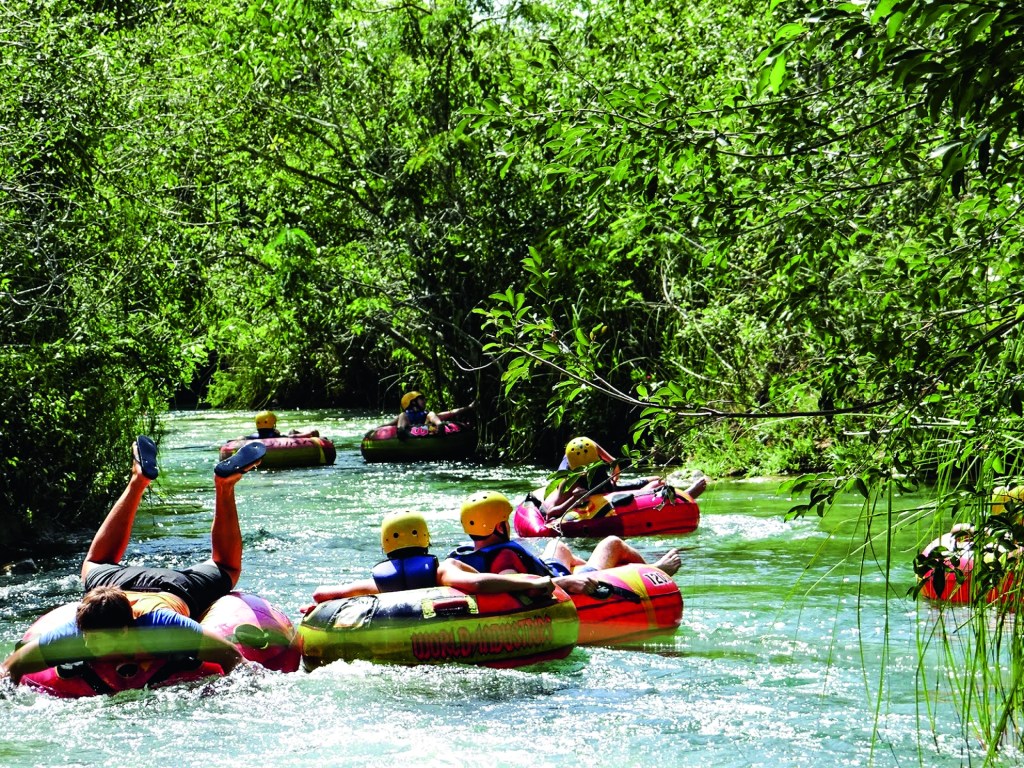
581	451
1002	494
484	511
266	420
595	506
408	397
403	529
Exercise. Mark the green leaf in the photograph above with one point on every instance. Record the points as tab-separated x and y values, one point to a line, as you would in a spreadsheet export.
778	73
943	150
892	26
882	10
789	31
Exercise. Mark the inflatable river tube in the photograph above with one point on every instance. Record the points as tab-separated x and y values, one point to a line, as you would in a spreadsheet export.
453	442
944	587
287	451
633	603
260	632
625	514
437	625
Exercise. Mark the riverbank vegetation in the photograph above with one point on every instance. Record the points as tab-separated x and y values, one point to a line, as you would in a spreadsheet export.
759	242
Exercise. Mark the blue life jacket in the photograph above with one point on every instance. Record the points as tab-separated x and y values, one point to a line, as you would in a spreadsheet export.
401	573
482	559
416	417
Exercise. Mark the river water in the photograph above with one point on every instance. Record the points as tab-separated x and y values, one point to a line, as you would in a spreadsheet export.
778	662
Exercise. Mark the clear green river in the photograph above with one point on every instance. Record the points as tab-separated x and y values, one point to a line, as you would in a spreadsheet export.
792	649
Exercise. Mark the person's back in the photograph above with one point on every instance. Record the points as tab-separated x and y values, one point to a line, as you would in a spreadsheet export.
484	517
405	540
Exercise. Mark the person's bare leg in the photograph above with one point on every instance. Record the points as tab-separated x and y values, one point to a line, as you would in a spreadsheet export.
613	551
556	549
697	488
111	540
226	533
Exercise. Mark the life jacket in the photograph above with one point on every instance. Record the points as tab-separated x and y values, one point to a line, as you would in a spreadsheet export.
483	558
416	416
401	573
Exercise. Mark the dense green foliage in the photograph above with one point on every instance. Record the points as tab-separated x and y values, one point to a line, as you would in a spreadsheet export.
774	242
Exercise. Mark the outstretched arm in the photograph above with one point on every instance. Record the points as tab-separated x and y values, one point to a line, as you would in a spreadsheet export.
454	573
613	467
24	661
219	651
352	589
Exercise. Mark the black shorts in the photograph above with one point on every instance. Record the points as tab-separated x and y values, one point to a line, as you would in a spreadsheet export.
199	586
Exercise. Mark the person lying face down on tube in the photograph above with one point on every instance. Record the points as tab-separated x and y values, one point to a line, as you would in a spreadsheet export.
163	603
485	519
405	540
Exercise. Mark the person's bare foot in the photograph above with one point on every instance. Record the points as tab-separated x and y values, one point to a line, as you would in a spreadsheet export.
697	488
669	562
144	457
244	459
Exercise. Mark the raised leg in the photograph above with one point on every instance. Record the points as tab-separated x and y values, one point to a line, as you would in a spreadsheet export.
226	533
111	540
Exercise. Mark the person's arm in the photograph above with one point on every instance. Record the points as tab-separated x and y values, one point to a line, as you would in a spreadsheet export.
59	645
163	632
352	589
219	651
561	501
24	661
577	584
613	467
453	573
